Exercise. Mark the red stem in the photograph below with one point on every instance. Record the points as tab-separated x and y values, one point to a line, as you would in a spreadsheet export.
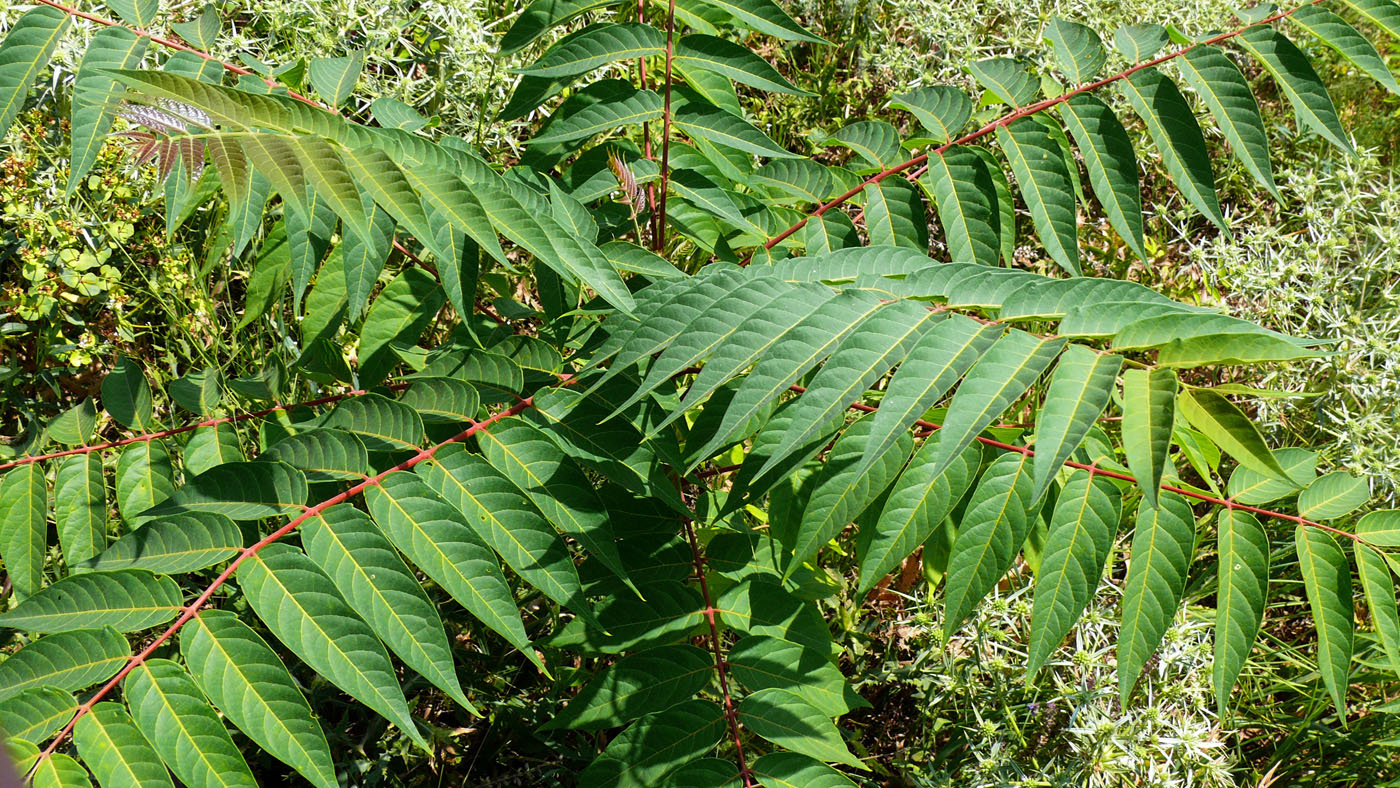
191	609
1094	469
177	430
658	239
1023	112
721	667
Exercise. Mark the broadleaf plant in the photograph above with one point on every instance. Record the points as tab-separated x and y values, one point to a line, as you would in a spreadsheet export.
732	350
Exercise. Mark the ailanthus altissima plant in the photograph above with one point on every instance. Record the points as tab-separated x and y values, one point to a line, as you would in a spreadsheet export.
625	407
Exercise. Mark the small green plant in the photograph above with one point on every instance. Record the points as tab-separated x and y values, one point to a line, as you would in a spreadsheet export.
625	366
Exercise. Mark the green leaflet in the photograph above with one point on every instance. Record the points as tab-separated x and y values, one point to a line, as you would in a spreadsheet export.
936	361
1163	542
1079	391
239	491
508	522
875	141
1225	91
961	185
436	537
721	128
1379	588
1381	529
334	77
639	684
126	395
203	31
580	427
761	662
787	719
828	232
1333	495
1384	14
75	425
70	661
884	339
765	16
655	745
300	606
1225	424
1149	413
1046	186
210	446
942	109
173	716
1327	580
362	259
382	424
661	613
843	488
802	348
704	771
993	528
23	53
634	108
895	214
1174	131
556	486
734	61
171	545
595	46
399	314
36	713
1111	164
795	180
242	676
1007	80
1239	604
1256	489
24	507
59	771
1295	76
1078	49
542	15
1082	528
443	400
709	330
1140	42
94	96
794	770
749	340
128	601
376	582
198	391
322	454
916	505
1004	372
1006	204
114	749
